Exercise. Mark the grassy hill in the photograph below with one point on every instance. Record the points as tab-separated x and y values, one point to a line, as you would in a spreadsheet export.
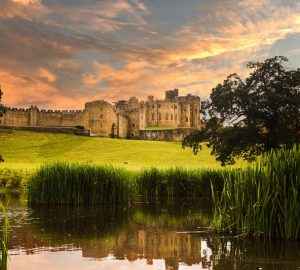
26	150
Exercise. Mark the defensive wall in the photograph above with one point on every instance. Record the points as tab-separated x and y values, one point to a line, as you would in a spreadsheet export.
174	135
64	130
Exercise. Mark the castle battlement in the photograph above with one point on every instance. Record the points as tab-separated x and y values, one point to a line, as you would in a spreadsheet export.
60	111
96	103
17	109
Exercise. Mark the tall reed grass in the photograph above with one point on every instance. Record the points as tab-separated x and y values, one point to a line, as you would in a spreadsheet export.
262	200
155	184
4	241
73	184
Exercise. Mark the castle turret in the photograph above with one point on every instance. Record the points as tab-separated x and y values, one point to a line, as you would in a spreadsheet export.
171	94
34	114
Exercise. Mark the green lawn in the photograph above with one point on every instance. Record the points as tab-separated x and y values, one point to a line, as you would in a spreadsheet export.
27	150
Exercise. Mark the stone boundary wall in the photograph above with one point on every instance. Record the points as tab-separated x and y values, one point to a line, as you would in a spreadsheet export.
45	111
172	135
64	130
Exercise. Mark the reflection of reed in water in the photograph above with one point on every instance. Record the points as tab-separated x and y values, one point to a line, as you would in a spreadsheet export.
237	254
82	222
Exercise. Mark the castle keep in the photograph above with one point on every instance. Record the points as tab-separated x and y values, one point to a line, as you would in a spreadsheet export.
167	119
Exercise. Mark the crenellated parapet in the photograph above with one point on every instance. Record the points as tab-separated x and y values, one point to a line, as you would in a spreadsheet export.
96	103
61	111
17	109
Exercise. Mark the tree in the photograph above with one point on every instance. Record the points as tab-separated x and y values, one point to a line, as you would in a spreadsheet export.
2	111
2	108
247	118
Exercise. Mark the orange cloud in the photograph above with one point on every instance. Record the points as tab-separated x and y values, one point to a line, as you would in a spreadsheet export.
46	74
27	2
26	9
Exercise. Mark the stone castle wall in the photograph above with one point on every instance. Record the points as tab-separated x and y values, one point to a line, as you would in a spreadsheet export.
125	119
16	117
174	135
63	130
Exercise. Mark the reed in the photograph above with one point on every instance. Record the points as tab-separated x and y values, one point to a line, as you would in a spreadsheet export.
73	184
155	184
262	200
4	241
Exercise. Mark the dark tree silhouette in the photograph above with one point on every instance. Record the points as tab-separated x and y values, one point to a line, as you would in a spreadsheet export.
2	111
247	118
2	108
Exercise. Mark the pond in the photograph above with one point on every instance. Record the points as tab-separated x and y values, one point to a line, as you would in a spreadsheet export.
149	236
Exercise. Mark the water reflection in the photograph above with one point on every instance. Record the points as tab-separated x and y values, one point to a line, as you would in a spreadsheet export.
134	237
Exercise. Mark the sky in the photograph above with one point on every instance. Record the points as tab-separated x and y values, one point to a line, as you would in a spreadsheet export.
59	54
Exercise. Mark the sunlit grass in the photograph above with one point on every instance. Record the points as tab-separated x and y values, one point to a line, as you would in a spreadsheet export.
28	150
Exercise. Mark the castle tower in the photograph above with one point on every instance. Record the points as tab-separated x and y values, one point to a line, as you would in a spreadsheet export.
34	113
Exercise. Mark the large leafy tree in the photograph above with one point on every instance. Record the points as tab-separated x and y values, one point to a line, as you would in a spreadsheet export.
250	117
2	111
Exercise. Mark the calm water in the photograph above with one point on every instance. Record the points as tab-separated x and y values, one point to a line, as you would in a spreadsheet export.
136	237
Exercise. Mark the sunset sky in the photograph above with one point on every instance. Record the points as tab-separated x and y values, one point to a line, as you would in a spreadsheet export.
61	53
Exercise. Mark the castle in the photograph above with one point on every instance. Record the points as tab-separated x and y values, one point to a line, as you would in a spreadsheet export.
167	119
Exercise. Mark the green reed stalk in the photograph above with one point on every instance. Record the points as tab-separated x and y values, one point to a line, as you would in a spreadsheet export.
4	241
262	200
72	184
155	184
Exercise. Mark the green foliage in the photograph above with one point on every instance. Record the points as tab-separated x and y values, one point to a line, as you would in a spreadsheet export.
262	200
154	184
13	179
2	111
247	118
64	183
2	108
72	184
4	241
